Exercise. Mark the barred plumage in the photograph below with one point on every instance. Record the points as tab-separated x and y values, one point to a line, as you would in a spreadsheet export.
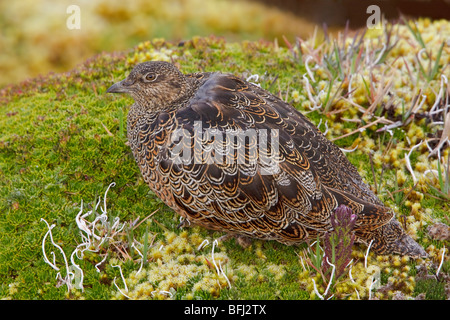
179	130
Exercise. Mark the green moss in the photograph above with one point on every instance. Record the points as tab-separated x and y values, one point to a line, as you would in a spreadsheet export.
433	289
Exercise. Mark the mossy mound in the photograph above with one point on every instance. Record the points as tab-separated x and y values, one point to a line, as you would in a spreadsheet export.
63	140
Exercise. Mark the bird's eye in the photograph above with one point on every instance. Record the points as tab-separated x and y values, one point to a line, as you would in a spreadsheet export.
150	76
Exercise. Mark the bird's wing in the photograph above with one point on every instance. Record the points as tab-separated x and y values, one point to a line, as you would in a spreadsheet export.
258	187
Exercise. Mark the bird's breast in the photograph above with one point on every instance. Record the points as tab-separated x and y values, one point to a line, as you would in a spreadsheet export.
148	135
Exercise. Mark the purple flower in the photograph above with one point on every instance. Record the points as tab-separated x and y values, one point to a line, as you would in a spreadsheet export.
343	218
338	242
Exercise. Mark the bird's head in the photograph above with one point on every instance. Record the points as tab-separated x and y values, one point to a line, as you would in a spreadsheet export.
154	85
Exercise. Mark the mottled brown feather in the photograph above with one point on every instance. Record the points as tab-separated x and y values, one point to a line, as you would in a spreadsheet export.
289	206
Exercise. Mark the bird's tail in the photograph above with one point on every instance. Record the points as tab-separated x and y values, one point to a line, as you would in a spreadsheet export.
391	238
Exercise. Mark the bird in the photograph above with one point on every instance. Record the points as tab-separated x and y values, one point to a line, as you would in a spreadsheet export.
227	155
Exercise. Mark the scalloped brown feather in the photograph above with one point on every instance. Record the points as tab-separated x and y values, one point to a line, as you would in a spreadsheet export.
289	206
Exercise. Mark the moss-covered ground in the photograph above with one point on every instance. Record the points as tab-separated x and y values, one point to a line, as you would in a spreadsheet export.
63	141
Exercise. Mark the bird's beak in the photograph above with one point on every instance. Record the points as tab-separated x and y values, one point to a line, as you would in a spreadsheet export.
118	88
